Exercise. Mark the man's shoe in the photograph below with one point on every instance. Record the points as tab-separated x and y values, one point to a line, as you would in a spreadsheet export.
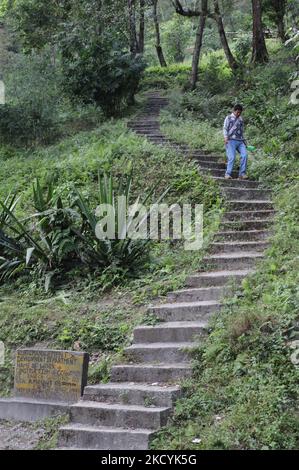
243	177
227	177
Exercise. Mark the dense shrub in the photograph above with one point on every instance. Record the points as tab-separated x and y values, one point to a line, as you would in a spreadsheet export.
97	69
21	125
242	48
199	104
215	74
165	77
175	36
33	98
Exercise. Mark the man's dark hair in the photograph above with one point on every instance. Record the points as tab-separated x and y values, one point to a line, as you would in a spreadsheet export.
238	107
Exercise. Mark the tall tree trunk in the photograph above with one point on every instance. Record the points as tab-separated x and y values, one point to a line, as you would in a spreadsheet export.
141	27
218	18
134	46
280	10
158	39
198	43
132	27
281	31
259	49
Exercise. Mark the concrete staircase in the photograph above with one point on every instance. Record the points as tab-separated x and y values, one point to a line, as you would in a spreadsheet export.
125	413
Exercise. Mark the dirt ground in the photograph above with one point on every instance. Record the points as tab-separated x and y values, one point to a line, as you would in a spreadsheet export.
19	436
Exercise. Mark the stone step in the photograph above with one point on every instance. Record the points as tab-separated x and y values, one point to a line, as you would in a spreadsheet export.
133	394
235	182
199	152
144	118
246	194
188	311
206	158
148	112
248	215
145	122
244	225
197	294
241	235
155	95
153	128
30	409
155	100
259	204
160	140
210	164
165	140
80	436
138	124
220	173
217	278
155	106
145	132
167	143
153	125
159	352
154	133
169	332
231	247
150	133
152	113
233	261
118	415
151	373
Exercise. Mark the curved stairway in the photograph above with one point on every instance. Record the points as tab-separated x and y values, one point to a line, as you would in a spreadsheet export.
125	413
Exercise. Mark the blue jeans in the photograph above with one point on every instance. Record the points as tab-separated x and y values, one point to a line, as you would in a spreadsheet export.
231	148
